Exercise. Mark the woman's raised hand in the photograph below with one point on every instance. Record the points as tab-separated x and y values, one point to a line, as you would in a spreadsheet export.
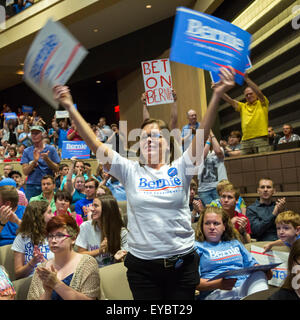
63	96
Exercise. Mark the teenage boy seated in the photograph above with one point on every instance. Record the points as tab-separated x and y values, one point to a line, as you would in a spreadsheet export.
228	198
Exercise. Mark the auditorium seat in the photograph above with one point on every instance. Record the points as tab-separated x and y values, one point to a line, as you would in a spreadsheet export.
113	282
22	286
7	260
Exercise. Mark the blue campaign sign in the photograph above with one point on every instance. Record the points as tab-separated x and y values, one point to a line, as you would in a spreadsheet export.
216	78
207	42
78	149
10	115
27	109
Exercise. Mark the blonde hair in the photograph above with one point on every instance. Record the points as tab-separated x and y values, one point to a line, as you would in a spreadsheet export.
221	185
231	188
288	217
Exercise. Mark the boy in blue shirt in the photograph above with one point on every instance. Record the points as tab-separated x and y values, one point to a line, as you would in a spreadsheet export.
288	229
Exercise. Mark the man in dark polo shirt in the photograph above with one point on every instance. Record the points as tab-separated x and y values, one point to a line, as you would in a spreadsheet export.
263	212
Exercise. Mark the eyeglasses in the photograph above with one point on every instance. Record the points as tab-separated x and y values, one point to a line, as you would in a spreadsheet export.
152	135
89	187
58	236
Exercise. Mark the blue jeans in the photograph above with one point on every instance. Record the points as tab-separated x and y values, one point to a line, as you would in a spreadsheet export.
208	196
32	190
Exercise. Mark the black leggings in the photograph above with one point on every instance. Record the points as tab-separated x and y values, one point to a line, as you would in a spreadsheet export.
149	280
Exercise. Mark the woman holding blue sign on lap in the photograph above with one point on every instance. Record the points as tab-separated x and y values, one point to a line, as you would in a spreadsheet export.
162	263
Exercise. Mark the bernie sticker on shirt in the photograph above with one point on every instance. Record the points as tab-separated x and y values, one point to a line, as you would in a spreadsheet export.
172	172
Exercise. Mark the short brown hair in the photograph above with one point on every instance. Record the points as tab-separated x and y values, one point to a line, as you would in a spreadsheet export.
48	176
10	193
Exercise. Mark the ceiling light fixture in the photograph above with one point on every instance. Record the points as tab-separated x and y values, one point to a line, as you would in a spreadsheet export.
98	81
20	72
148	6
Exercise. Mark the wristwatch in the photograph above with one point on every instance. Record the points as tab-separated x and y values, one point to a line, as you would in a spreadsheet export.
1	224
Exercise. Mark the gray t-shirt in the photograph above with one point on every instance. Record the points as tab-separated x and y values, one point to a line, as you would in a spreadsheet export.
211	172
89	238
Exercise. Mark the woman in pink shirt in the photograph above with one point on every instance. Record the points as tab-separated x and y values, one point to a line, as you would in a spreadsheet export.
63	200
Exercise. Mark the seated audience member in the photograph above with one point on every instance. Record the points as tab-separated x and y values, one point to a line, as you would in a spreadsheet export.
62	202
21	5
273	138
63	171
48	187
82	205
7	168
75	186
288	135
12	155
87	169
218	246
290	289
288	229
69	275
77	168
104	235
195	204
233	146
21	147
7	290
30	245
37	161
240	205
212	171
228	198
263	211
11	182
72	133
17	176
114	185
103	190
10	214
25	136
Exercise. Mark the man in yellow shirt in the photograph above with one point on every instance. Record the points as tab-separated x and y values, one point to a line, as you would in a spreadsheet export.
254	118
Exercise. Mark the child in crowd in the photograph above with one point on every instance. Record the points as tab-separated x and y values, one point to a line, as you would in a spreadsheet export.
217	244
229	197
240	205
30	245
288	230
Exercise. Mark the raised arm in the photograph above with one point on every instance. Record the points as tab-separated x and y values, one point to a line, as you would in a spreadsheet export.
226	82
174	114
254	87
232	102
105	154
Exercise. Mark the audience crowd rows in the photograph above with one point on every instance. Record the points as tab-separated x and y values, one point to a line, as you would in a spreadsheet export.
64	220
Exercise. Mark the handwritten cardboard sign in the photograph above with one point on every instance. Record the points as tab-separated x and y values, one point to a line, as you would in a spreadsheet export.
51	60
157	81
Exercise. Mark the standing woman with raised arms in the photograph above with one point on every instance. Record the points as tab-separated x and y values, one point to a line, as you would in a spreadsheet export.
161	261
